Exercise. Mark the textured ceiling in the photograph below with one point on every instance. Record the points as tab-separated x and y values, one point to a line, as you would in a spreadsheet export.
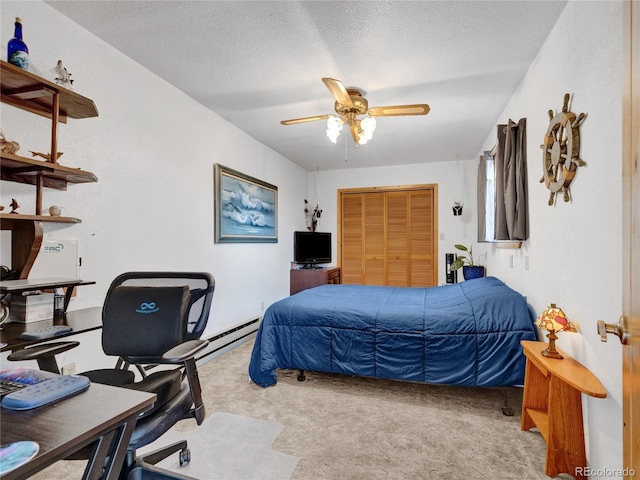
256	63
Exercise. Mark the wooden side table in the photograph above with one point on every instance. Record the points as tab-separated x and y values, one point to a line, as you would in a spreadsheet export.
552	402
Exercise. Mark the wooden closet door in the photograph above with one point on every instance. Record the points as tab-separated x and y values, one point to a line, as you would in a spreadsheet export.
423	260
388	237
373	239
352	227
398	239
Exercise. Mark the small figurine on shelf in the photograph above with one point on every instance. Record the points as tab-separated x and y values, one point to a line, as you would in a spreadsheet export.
55	210
63	76
14	206
8	146
46	156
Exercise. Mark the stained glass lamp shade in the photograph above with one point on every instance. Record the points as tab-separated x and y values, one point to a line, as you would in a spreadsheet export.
553	319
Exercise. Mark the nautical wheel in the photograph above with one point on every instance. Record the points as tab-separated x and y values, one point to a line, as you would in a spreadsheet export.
561	150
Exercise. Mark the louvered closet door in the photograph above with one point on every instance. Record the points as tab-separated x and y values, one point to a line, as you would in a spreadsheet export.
373	239
398	239
352	227
388	237
422	243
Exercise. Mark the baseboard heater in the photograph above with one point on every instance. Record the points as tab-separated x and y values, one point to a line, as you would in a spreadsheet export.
226	339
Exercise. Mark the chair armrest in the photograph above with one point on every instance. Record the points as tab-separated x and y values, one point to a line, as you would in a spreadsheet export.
42	351
184	351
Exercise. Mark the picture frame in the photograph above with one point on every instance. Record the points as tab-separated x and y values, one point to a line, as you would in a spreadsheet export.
245	208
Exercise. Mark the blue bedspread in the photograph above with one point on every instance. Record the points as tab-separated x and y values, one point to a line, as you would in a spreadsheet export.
462	334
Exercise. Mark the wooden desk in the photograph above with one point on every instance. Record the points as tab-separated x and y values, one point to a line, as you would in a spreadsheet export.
552	402
72	423
81	321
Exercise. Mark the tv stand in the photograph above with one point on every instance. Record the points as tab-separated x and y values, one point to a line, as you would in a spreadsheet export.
312	276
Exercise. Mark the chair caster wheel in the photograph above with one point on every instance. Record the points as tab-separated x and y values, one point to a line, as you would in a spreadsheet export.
301	378
185	456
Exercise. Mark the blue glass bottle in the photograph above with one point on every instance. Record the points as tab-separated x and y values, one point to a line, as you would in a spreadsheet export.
17	51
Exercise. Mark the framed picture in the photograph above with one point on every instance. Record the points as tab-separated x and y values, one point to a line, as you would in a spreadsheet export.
246	209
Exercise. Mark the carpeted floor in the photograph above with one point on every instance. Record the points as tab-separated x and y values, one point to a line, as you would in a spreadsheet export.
343	427
236	448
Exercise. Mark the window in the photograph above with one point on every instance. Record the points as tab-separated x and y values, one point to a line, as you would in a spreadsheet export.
489	200
502	187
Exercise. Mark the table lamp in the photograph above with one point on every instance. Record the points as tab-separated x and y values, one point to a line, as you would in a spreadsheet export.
553	319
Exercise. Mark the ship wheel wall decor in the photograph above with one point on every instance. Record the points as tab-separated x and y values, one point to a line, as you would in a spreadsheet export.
561	151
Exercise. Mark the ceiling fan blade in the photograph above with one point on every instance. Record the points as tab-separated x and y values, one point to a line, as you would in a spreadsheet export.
305	119
397	110
338	91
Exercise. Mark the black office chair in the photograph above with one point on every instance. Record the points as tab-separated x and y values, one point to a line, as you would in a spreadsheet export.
151	319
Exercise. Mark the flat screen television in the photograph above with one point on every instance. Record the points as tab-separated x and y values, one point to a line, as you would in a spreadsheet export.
311	248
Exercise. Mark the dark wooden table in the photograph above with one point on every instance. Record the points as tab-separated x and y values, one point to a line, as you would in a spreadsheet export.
101	412
81	321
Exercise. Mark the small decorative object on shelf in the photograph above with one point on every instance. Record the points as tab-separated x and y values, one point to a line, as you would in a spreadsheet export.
469	269
55	210
553	319
8	146
312	216
561	150
14	205
62	76
17	51
46	156
457	209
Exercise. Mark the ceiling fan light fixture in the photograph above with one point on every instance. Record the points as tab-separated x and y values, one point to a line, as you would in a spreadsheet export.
334	127
351	103
367	127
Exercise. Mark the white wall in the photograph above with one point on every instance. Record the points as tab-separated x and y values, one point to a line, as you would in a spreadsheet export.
575	249
153	149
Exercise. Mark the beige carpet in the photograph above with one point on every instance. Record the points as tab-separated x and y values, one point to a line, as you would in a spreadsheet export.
343	427
236	447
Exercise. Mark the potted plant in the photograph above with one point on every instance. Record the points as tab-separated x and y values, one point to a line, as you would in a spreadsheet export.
469	269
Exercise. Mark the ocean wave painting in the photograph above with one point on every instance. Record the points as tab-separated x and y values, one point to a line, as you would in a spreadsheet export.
246	209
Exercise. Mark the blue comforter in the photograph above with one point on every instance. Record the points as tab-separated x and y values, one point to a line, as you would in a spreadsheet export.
462	334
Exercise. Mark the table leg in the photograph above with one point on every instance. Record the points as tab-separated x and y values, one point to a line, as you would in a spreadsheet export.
110	452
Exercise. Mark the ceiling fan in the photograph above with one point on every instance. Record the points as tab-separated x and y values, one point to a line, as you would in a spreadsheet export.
350	103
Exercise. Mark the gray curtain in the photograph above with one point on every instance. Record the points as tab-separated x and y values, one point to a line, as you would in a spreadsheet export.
511	191
515	183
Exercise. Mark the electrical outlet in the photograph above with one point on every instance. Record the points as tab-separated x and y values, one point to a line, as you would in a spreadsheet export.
69	369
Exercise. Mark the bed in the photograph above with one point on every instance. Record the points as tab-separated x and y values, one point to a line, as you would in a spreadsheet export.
464	334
